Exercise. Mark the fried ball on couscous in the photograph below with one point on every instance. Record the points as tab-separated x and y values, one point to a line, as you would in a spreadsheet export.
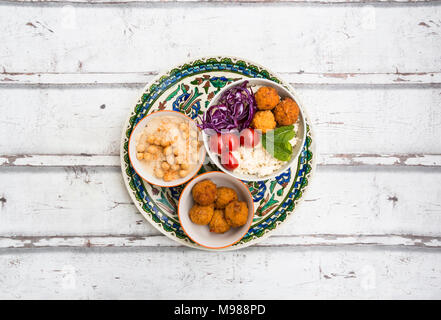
204	192
201	214
286	112
236	213
267	98
218	224
224	196
264	121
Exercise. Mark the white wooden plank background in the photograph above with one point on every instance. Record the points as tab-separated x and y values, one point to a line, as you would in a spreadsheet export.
257	273
347	120
339	40
83	202
368	73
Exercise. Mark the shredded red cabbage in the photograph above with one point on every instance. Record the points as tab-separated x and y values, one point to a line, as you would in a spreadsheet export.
235	110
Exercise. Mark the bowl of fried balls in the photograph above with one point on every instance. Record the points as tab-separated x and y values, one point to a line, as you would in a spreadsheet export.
215	210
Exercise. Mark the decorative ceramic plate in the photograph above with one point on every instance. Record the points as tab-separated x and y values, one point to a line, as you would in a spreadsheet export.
189	88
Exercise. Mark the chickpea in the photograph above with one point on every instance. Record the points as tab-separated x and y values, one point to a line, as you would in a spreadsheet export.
148	156
159	173
185	166
151	139
169	176
165	166
140	156
140	147
180	159
157	141
175	167
165	143
152	149
168	150
171	159
183	173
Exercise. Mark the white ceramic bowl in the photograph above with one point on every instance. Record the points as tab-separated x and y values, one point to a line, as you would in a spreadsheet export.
201	234
137	165
300	134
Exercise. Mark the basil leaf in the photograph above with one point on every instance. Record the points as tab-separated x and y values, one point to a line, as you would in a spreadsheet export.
276	142
283	129
286	136
283	151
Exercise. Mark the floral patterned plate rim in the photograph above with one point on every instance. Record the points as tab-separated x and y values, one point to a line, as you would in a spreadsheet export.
188	88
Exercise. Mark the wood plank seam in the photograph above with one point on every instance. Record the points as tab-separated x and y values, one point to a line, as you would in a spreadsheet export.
300	77
113	160
307	240
219	1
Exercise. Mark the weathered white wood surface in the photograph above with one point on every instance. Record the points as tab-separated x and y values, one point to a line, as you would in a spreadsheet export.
221	1
286	37
369	76
276	241
301	77
346	120
324	159
342	201
257	273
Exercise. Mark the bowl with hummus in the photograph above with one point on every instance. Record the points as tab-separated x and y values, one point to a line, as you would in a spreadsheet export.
254	129
165	148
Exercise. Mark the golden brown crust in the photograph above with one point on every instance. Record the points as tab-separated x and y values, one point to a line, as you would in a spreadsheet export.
286	112
204	192
267	98
264	121
224	196
236	213
201	214
218	224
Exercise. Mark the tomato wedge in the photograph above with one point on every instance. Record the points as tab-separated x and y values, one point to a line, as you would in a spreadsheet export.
249	138
216	144
231	141
229	161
